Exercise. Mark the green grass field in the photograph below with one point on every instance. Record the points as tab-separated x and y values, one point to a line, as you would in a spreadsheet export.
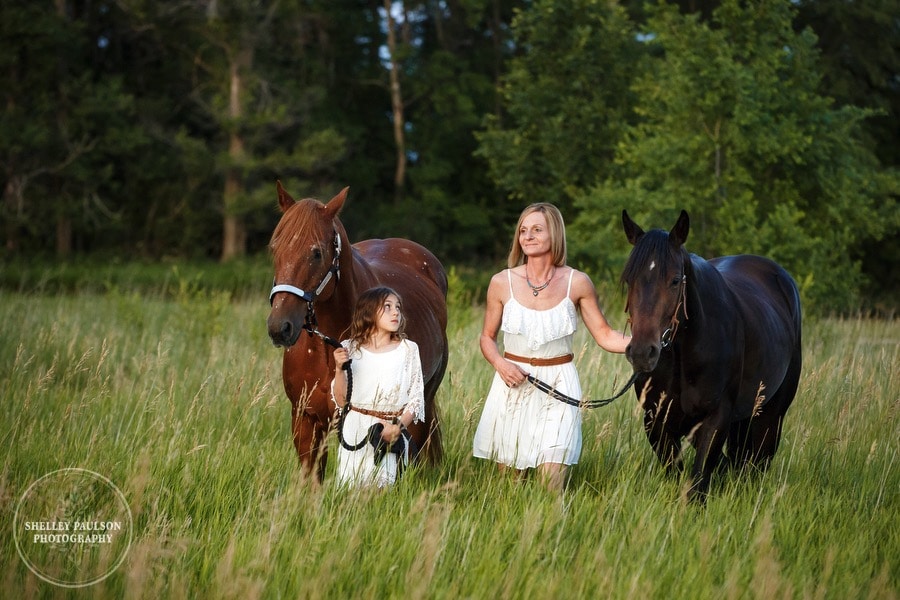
176	398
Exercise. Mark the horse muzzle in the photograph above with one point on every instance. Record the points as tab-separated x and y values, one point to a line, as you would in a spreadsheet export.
284	330
283	333
643	356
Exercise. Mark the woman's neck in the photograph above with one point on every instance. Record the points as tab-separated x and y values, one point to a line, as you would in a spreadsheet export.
539	268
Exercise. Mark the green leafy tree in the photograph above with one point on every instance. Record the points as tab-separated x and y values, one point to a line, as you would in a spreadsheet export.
453	58
246	88
566	101
860	50
734	128
66	130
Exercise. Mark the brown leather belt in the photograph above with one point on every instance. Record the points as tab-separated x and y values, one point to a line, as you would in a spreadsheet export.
380	414
540	362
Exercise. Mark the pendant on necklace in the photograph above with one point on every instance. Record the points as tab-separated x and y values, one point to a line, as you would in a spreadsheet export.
536	289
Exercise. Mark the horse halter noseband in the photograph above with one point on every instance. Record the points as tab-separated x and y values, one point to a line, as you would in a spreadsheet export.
309	297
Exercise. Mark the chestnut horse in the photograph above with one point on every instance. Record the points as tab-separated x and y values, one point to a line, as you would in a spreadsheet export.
717	347
318	277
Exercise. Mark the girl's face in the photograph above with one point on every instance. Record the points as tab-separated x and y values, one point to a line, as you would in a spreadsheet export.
534	235
389	316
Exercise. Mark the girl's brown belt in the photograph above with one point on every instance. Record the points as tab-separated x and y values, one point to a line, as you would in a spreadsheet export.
380	414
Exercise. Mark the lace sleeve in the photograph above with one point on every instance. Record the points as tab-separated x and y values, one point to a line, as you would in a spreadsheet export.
414	386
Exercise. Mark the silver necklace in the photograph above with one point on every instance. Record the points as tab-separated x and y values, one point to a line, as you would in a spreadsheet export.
536	289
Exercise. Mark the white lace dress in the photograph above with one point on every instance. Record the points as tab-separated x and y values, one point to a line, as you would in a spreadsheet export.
383	382
523	427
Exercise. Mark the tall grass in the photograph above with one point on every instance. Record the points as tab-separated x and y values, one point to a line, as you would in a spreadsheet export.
177	399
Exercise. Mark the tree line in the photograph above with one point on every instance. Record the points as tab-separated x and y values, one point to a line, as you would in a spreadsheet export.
151	129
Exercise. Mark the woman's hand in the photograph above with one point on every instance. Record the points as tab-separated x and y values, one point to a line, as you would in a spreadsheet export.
511	374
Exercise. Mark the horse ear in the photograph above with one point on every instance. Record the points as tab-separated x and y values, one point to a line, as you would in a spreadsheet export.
284	199
335	205
679	233
633	231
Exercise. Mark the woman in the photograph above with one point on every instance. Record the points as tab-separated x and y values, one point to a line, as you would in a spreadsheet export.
387	393
535	302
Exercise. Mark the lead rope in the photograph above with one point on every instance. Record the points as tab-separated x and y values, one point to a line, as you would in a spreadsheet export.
554	393
311	328
344	444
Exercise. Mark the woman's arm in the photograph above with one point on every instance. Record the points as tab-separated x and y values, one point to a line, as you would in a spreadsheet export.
511	373
584	296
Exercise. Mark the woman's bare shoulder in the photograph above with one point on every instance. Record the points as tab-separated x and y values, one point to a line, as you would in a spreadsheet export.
499	280
581	283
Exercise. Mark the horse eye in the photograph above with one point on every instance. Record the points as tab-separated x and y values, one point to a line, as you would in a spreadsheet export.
676	281
317	253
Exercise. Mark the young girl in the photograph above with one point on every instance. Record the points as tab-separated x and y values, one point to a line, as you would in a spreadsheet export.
387	390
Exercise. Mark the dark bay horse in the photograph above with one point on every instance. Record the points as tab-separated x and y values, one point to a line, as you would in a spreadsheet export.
717	345
318	277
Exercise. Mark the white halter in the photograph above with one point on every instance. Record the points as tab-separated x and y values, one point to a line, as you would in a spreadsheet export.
335	271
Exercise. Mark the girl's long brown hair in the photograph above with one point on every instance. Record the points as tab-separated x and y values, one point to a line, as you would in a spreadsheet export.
365	316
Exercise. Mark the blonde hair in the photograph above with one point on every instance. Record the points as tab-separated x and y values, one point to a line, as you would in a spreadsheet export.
555	226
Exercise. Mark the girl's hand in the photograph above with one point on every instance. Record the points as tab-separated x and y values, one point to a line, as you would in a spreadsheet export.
341	356
391	432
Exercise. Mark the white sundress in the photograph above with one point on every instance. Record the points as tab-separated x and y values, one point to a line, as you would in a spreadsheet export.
523	427
383	382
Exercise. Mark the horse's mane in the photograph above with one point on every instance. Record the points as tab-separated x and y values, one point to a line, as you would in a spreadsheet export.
301	217
652	246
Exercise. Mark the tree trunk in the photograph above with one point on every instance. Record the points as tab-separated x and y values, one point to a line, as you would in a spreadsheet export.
234	231
396	103
12	205
63	236
63	221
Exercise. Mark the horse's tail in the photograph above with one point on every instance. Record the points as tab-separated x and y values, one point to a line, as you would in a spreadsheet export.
433	449
792	297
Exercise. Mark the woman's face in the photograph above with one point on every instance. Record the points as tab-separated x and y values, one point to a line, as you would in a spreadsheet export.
534	235
389	316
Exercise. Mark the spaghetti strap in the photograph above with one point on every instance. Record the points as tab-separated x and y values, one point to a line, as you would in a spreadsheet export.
569	289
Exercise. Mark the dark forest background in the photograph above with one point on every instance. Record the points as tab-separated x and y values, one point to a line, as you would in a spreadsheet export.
154	130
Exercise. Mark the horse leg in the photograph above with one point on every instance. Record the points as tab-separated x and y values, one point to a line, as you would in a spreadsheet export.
428	435
738	446
766	427
663	435
709	441
309	438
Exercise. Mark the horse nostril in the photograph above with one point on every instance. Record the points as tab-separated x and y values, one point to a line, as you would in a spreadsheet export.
286	330
653	353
